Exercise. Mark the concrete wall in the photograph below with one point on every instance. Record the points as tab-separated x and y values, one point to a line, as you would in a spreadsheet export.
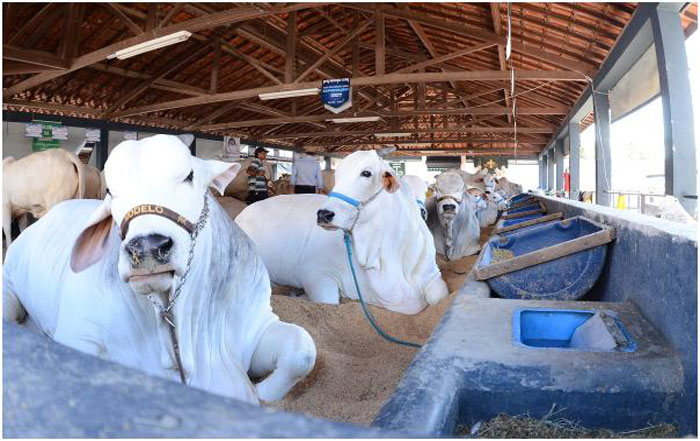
653	263
52	391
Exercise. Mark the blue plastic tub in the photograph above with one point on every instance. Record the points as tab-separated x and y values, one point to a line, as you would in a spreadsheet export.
521	196
527	228
508	222
533	206
558	261
553	328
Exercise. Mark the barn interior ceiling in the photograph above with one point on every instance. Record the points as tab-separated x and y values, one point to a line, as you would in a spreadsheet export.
427	77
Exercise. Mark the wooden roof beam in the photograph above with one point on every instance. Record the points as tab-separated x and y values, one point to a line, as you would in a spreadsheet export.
30	25
407	113
496	19
36	57
364	81
167	69
208	21
457	28
133	27
449	129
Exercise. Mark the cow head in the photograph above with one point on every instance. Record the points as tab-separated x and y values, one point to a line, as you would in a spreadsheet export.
449	192
359	178
145	179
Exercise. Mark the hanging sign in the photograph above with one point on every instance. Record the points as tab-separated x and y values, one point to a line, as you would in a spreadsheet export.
59	132
131	136
92	135
336	94
232	149
399	168
33	130
46	139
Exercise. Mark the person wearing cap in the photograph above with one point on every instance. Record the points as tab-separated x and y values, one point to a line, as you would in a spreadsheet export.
306	174
257	181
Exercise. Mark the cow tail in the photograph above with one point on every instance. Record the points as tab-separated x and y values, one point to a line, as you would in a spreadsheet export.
80	168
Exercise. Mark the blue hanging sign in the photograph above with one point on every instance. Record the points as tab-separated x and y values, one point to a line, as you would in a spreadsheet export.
336	94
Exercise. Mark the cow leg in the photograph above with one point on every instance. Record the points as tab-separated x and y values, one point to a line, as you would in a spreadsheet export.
287	353
7	223
12	309
322	289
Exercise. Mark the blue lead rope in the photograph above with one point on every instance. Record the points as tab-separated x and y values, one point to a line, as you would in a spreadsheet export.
380	331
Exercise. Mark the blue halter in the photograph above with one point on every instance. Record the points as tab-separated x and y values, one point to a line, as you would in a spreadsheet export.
354	202
420	203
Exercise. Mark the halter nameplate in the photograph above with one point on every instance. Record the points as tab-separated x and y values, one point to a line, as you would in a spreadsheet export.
141	210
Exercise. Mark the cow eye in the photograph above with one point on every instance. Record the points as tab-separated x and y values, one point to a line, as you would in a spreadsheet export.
190	176
366	174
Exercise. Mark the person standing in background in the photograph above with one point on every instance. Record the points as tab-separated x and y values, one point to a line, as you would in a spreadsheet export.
306	174
257	182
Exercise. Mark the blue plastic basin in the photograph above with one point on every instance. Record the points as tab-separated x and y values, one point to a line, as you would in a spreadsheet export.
528	228
553	328
521	197
566	278
509	222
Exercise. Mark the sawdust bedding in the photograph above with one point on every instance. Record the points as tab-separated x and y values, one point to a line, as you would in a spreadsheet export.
356	370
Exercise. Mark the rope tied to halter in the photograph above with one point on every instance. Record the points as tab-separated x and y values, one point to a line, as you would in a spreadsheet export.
348	248
166	313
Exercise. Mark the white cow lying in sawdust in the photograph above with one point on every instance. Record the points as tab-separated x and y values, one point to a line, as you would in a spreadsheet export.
96	275
451	217
37	182
393	251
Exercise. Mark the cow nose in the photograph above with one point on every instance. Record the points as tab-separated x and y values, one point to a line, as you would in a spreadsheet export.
155	246
324	216
449	207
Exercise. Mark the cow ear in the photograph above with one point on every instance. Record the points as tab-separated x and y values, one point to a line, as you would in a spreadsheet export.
390	181
221	174
93	242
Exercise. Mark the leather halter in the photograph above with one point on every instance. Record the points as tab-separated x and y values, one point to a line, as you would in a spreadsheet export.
158	210
442	198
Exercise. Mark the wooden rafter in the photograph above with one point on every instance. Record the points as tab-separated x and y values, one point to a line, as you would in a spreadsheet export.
208	21
406	113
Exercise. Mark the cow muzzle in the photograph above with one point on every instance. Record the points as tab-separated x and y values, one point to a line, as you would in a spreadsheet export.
151	269
324	219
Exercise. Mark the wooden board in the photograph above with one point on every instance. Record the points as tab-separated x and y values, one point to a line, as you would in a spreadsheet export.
527	223
547	254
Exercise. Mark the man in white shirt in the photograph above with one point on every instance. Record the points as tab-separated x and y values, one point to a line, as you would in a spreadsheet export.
306	174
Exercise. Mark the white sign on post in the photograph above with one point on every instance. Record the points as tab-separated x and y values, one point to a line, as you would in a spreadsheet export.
92	135
131	136
232	149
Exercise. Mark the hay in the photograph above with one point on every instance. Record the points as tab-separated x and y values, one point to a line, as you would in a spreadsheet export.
553	427
356	370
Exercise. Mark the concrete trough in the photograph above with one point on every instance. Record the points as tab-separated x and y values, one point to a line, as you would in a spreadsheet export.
474	368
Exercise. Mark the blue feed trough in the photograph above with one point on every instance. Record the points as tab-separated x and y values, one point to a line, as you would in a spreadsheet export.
557	261
533	206
521	197
510	226
509	222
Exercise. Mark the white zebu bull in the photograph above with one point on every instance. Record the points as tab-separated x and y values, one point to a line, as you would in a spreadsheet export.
419	188
486	206
451	218
99	288
508	188
393	252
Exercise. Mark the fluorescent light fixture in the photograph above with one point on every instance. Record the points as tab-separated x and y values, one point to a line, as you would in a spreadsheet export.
151	45
289	94
392	135
355	119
